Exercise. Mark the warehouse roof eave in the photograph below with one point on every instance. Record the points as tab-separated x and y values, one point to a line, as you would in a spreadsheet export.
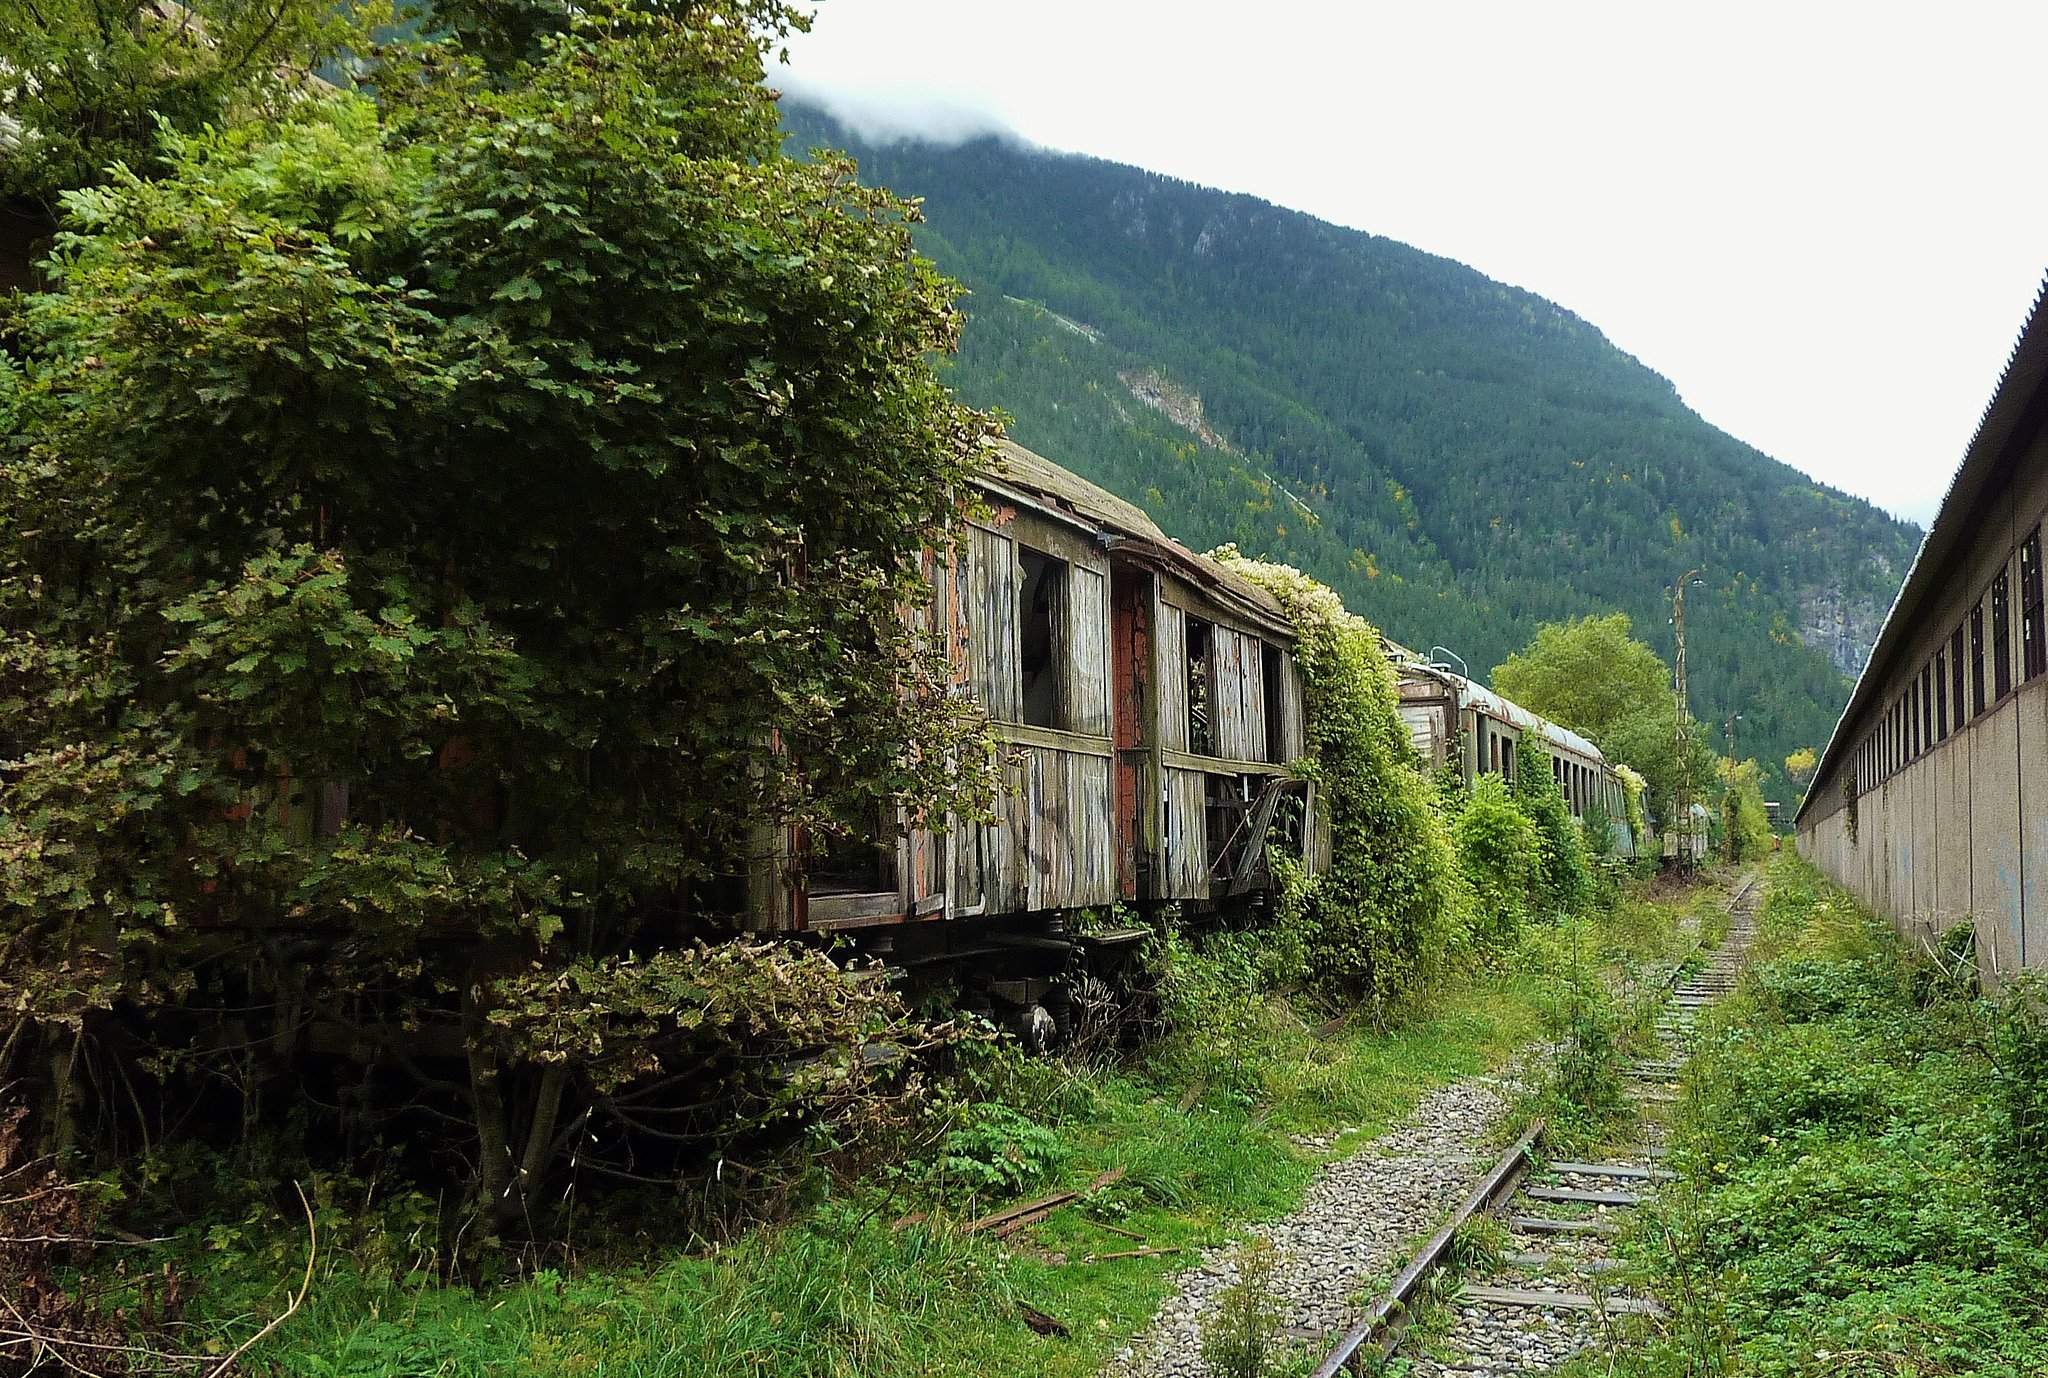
2020	390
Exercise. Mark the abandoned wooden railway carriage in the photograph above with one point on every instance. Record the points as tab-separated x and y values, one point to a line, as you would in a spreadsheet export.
1453	721
1149	705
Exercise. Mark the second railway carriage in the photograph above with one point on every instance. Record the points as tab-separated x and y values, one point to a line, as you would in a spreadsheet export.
1149	706
1452	720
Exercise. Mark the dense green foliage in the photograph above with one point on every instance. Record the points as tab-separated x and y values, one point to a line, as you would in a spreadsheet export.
1498	848
1745	826
1842	1210
89	83
434	538
1459	459
882	1281
1564	880
1384	915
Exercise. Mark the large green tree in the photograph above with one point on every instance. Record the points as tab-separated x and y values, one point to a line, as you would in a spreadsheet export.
438	542
1592	676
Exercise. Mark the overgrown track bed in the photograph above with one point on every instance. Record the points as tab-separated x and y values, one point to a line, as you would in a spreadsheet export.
1541	1293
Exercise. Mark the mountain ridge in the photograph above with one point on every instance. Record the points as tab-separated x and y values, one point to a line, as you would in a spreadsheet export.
1477	459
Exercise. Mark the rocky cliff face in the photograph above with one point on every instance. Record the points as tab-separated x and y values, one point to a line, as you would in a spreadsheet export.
1841	626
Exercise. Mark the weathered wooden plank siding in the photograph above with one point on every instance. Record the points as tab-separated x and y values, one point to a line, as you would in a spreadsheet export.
1054	846
1184	867
1173	677
1088	653
993	587
1286	701
1239	693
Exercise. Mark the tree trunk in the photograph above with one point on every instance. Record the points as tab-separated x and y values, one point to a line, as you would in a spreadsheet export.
494	1172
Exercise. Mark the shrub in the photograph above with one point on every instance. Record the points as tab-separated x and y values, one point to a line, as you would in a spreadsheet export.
1241	1338
1384	916
997	1153
2020	1050
1496	847
1564	880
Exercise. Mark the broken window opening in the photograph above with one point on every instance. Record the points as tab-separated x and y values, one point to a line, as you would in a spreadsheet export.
2033	649
1201	731
1977	660
1041	604
838	864
1278	705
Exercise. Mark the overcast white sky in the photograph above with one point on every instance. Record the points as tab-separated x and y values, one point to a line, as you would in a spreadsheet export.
1824	223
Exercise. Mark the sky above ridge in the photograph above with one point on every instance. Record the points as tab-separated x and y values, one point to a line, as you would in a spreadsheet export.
1822	222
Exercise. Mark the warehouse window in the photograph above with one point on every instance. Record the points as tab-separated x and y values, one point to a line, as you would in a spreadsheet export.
2001	634
1955	675
1913	721
1977	660
1941	696
1926	723
1041	603
2033	650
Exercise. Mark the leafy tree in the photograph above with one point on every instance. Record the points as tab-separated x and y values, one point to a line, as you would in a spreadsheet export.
1799	766
1589	674
436	544
1745	823
89	82
1592	676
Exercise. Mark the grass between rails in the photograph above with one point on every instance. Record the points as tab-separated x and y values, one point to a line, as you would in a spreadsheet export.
851	1289
1860	1152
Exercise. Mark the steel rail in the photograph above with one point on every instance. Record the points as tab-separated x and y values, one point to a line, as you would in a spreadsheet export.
1389	1315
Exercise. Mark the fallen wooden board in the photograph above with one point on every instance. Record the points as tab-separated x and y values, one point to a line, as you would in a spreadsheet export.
1004	1223
1136	1253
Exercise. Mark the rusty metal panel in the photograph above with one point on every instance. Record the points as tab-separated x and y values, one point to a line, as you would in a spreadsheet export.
1172	677
994	583
1184	867
1088	653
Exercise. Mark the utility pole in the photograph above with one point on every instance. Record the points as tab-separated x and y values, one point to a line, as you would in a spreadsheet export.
1728	790
1682	804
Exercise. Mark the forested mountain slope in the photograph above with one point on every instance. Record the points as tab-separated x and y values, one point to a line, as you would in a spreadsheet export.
1461	459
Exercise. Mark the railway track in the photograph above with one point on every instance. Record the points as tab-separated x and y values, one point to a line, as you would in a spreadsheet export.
1543	1297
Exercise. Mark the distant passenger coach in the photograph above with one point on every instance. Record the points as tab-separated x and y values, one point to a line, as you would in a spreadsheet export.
1931	802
